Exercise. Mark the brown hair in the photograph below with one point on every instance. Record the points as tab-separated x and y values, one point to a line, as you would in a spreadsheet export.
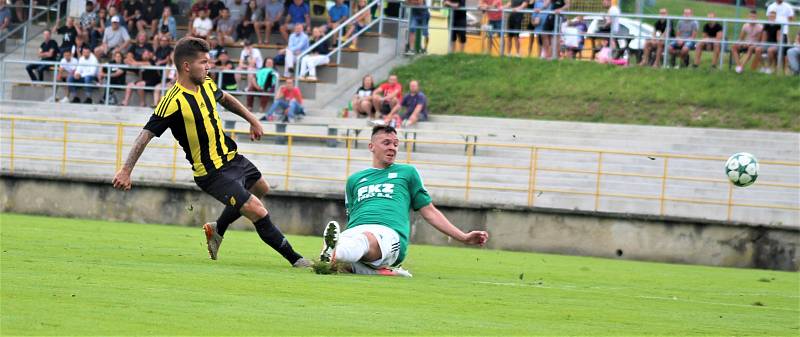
187	48
383	128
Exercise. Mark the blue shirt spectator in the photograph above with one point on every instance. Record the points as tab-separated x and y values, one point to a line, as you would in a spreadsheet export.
298	13
298	42
338	11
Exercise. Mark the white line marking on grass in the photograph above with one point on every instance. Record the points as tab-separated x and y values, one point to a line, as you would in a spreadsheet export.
593	290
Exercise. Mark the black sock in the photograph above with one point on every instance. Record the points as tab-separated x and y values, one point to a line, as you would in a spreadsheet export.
272	236
228	216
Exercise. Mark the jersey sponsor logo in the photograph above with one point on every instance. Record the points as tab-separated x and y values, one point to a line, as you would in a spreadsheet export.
392	175
362	180
377	190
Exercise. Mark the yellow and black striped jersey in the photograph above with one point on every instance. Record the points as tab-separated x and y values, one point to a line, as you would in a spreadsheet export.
194	121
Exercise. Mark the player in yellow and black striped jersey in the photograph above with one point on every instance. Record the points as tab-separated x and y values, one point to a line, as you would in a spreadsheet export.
189	110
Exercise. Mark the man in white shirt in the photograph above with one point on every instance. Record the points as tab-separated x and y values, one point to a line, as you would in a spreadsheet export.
784	13
202	25
66	69
611	23
86	73
249	59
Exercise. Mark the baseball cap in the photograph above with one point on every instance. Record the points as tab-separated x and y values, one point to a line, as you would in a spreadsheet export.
115	19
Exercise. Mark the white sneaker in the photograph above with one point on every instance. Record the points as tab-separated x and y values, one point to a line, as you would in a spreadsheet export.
64	100
738	69
330	236
363	269
768	71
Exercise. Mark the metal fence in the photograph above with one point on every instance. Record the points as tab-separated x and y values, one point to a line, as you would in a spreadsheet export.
559	19
527	176
26	28
106	85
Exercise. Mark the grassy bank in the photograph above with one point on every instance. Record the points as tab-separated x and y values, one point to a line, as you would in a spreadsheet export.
584	91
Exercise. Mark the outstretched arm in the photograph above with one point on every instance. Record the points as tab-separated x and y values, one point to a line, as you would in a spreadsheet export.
233	105
122	180
434	217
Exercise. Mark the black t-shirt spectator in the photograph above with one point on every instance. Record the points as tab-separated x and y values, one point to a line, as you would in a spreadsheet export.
50	45
69	34
138	50
163	52
558	4
151	77
661	26
152	10
711	29
228	79
459	15
772	32
322	48
116	80
131	7
214	8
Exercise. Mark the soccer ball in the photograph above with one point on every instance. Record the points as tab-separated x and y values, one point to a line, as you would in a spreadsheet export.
742	169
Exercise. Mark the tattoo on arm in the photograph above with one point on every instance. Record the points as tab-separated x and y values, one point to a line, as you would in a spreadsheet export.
233	105
138	147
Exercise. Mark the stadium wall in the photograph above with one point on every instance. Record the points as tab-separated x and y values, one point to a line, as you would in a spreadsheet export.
623	236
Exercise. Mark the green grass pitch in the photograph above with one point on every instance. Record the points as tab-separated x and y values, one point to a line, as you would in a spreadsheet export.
84	277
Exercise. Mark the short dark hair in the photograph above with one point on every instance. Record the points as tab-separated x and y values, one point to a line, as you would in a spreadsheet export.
187	48
753	11
383	128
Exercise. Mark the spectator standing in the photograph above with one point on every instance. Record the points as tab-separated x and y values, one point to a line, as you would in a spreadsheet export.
48	52
712	39
273	14
297	13
784	13
793	55
288	102
550	25
657	40
458	37
298	42
574	31
416	105
611	26
684	42
318	56
749	38
494	10
66	69
536	24
515	24
86	73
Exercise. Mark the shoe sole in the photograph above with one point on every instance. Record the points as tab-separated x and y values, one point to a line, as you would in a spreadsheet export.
209	231
329	238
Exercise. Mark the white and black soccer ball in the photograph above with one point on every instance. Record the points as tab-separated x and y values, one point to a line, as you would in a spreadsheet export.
742	169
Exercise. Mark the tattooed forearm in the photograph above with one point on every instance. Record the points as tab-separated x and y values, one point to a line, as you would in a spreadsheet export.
138	147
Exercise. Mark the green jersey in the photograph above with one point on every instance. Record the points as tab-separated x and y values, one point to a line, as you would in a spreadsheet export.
386	197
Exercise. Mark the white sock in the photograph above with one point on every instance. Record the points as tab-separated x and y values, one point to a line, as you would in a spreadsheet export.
351	248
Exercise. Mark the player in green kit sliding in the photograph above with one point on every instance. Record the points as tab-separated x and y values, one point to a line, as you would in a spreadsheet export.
378	202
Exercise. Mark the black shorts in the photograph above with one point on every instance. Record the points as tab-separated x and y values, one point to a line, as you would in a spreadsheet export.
231	184
550	23
515	23
459	32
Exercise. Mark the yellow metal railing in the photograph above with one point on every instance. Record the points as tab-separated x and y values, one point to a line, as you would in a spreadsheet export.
535	164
